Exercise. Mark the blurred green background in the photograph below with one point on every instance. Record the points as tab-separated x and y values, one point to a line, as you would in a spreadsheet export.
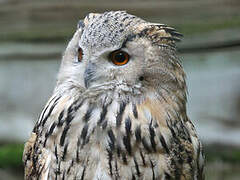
33	35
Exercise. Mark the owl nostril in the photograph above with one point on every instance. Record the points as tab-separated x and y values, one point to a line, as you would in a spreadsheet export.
141	78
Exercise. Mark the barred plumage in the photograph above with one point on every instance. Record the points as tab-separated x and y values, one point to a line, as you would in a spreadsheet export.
117	122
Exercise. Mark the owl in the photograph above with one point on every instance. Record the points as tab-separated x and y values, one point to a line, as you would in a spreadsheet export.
118	110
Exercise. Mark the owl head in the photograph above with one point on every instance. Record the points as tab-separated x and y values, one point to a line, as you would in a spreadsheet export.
123	52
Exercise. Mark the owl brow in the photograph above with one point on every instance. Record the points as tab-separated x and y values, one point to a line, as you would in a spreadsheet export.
175	36
129	38
133	36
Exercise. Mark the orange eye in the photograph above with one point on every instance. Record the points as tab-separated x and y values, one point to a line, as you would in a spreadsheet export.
119	57
80	54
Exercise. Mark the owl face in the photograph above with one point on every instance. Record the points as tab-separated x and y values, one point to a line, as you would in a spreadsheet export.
121	49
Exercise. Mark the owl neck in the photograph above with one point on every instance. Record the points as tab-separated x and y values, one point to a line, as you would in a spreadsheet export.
171	101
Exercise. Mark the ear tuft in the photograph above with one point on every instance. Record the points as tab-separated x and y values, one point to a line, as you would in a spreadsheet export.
176	36
80	24
161	34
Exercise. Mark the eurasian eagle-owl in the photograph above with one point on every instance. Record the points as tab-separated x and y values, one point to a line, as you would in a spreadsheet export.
118	110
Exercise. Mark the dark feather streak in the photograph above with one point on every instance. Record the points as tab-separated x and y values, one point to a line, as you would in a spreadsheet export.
60	121
135	112
138	134
103	114
84	134
50	111
116	169
69	168
153	173
64	152
126	139
143	159
163	142
128	126
124	158
49	133
112	139
110	156
56	153
83	173
64	133
127	144
88	113
137	167
50	130
120	114
146	145
152	135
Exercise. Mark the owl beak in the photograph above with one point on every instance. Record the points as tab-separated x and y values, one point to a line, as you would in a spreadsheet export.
89	74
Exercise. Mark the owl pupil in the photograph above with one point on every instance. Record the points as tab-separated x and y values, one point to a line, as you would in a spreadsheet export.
141	78
120	57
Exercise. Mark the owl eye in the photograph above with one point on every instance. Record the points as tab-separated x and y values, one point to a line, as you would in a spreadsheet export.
119	57
80	54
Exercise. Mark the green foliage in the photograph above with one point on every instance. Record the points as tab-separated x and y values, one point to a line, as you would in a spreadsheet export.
11	155
230	155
